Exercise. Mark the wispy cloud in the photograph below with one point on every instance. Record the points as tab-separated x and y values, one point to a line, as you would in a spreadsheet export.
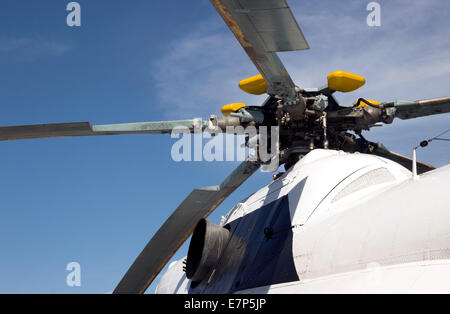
200	72
397	59
27	49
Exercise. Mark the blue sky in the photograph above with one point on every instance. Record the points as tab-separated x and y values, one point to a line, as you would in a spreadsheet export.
97	201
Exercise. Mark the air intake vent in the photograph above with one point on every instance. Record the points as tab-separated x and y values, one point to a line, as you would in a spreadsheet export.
371	178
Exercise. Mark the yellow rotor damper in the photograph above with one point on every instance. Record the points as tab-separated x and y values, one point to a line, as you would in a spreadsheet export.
255	85
227	109
345	82
361	103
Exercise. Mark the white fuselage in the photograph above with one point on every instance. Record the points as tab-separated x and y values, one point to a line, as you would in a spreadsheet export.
361	224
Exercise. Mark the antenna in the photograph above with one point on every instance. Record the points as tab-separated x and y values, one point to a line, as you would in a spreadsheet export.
414	165
424	144
436	138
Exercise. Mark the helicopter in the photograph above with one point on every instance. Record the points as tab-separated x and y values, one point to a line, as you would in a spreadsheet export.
270	241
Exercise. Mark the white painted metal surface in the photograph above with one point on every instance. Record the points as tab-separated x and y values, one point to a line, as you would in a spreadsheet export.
361	224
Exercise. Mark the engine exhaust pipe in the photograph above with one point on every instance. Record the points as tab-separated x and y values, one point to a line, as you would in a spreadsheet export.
207	244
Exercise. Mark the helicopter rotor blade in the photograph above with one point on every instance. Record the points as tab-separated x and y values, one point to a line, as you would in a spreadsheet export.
264	27
380	150
22	132
405	109
178	227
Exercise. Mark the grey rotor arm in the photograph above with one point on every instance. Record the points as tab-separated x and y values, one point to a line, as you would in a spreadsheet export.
178	227
380	150
36	131
405	109
264	27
